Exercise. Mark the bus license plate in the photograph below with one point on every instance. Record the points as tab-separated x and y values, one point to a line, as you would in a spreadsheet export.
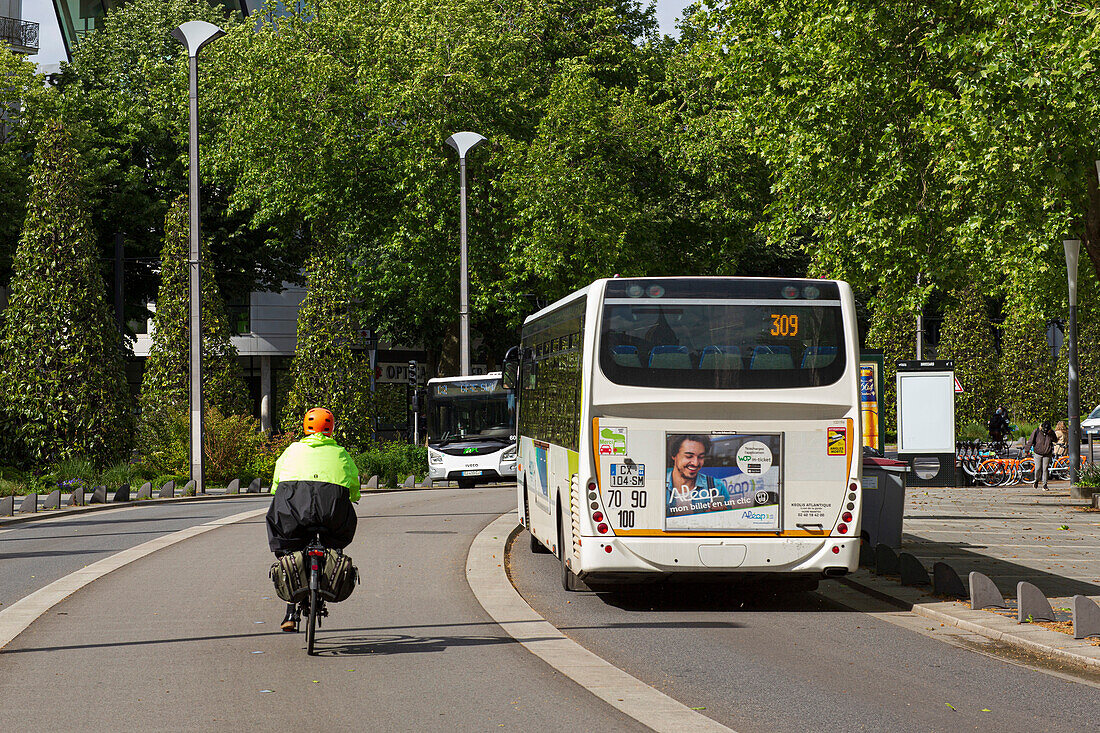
627	474
471	473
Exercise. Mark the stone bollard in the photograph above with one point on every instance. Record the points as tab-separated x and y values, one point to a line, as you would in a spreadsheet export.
53	500
99	495
234	487
146	491
168	491
189	488
7	506
123	492
29	504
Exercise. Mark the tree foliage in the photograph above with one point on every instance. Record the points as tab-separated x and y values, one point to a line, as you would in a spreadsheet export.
326	371
966	337
128	86
166	382
63	382
22	98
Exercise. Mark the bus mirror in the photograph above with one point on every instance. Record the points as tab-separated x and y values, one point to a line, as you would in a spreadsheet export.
509	376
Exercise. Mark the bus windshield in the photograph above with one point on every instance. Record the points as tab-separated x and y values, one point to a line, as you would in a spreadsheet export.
471	410
728	335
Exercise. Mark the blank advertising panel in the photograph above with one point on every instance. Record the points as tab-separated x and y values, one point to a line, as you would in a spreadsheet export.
926	412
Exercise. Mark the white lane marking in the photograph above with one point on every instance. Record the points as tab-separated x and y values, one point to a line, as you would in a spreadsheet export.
18	616
489	582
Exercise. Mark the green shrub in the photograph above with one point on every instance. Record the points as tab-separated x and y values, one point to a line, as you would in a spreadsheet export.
230	443
261	464
1089	476
972	431
392	462
164	441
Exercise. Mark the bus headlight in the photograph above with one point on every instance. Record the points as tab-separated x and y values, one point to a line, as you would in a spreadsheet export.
509	455
435	457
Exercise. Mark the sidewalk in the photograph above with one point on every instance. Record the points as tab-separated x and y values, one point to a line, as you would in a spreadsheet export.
1009	534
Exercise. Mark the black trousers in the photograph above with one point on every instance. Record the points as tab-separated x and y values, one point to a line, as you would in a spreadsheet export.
300	508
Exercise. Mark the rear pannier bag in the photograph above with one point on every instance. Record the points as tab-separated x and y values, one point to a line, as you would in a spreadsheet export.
340	577
288	573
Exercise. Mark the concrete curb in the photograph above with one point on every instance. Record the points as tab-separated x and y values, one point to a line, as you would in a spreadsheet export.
984	623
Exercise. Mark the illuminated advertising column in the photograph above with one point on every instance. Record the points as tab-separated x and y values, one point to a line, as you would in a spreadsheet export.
870	395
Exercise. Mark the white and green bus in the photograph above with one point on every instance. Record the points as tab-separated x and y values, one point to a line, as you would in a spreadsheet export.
471	430
700	426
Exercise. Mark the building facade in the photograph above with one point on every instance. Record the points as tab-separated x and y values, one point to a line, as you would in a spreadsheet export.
19	35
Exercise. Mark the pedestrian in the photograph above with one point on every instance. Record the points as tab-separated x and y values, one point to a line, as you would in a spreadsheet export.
1042	445
1061	446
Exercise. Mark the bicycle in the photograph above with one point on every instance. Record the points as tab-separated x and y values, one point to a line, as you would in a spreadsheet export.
313	605
1059	467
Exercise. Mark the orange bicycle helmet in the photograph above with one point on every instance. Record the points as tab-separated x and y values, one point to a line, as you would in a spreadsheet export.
319	420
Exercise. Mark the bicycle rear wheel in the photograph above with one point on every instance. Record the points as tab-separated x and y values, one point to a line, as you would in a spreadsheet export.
1027	470
311	627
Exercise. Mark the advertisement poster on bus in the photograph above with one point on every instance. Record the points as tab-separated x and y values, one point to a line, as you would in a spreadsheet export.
870	399
727	481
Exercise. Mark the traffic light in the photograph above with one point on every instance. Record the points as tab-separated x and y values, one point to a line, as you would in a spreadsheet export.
412	371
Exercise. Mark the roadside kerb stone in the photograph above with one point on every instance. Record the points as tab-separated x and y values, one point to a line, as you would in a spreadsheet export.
984	623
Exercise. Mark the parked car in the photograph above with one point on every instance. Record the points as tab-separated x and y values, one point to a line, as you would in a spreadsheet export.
1091	425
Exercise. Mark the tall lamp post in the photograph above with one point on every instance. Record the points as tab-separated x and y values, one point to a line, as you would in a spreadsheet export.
463	142
1073	251
194	35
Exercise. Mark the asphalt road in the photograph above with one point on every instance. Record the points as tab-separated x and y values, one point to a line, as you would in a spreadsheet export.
34	554
187	638
805	662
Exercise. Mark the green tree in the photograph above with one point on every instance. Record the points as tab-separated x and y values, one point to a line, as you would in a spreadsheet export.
22	96
326	371
1029	376
570	95
63	381
966	337
166	383
892	329
128	86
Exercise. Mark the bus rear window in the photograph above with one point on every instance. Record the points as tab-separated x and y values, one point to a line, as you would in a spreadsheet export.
721	343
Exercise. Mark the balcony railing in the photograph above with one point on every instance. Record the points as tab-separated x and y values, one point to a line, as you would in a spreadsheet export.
21	35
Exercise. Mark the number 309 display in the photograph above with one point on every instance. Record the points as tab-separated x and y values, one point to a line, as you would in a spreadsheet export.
784	325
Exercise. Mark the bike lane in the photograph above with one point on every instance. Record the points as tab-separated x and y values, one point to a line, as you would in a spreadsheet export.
187	639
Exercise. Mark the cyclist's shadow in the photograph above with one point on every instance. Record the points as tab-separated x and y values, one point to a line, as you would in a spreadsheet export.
344	645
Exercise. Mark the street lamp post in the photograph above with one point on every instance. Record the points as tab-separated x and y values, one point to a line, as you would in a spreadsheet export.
194	35
463	142
1073	251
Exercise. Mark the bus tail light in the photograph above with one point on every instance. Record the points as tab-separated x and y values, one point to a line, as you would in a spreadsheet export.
846	517
602	528
607	548
836	550
597	516
842	528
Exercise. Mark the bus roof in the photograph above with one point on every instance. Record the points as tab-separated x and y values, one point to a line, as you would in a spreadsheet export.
583	292
572	297
468	378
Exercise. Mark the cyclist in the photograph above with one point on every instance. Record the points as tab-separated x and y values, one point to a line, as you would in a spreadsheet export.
315	483
998	425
